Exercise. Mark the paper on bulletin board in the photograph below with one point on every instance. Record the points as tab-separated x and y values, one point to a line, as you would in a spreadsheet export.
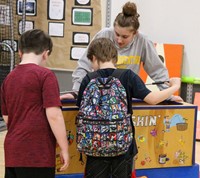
56	9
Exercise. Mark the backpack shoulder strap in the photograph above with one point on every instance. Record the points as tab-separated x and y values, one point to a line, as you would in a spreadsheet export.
118	72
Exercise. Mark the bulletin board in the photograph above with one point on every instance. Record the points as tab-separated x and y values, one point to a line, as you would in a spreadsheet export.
71	25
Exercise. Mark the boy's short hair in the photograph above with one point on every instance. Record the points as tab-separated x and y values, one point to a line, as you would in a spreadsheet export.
103	49
36	41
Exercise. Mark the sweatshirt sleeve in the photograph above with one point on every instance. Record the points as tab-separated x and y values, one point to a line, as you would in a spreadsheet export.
84	65
153	65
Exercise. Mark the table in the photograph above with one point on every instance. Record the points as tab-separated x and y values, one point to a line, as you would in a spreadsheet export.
165	135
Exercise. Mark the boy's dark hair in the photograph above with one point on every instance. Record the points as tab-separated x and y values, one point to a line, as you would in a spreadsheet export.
103	49
36	41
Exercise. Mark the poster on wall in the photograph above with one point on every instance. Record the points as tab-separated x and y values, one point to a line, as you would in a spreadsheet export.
82	16
56	29
29	6
82	2
13	43
28	25
81	38
76	52
56	9
4	15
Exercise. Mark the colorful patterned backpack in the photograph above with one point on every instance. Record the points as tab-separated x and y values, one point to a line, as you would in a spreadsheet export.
103	124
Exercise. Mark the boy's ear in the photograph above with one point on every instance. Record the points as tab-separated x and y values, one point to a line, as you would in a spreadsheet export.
45	54
48	52
94	58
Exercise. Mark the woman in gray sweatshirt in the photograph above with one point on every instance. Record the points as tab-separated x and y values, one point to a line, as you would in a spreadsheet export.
133	48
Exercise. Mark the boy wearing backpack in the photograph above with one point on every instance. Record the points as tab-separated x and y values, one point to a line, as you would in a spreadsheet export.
105	132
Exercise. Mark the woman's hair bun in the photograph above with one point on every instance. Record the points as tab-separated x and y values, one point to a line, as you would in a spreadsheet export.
130	9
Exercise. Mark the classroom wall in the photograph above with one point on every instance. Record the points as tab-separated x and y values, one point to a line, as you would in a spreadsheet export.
170	21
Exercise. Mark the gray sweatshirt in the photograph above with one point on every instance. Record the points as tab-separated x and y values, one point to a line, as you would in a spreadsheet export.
141	49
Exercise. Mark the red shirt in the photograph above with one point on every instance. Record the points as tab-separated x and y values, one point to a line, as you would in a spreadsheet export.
26	92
